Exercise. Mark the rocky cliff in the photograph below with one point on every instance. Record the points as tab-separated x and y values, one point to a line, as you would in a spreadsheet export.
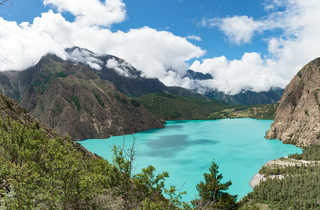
73	99
297	119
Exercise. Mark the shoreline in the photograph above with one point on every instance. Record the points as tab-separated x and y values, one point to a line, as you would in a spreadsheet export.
258	178
282	162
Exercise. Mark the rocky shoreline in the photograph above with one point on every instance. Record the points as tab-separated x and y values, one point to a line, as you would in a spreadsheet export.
282	162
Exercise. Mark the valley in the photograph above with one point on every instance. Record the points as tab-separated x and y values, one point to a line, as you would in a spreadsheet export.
85	101
159	105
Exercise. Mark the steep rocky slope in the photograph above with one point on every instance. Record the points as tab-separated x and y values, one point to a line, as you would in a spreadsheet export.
71	98
297	119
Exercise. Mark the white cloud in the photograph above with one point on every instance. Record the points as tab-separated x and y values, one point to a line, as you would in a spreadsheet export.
150	50
287	53
92	12
231	76
154	52
86	57
273	4
194	37
239	29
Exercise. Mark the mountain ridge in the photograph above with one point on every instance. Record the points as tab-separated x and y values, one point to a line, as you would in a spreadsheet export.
87	95
51	89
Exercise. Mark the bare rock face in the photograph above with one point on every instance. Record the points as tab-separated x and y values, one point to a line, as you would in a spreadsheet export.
72	99
297	119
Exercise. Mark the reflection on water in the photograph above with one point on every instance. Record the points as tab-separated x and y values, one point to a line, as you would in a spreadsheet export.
170	146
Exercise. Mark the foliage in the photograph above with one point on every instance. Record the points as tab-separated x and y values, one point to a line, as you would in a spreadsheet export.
213	193
99	99
76	102
173	107
309	153
265	112
298	189
38	171
135	103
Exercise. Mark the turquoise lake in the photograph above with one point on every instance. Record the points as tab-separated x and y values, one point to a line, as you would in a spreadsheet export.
186	149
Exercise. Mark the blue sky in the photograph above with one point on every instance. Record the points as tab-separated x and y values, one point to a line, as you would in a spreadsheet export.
247	44
181	17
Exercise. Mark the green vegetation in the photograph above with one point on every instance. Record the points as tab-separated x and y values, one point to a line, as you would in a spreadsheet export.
40	170
52	173
173	107
135	103
37	171
46	77
98	97
121	98
266	112
212	192
76	101
298	189
309	153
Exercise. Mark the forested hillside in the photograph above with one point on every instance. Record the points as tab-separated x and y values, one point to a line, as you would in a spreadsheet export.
40	170
175	107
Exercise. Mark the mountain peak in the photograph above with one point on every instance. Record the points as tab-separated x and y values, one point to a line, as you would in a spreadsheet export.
197	75
84	56
101	62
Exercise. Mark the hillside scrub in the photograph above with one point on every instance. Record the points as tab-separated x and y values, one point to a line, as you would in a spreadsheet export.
298	189
37	171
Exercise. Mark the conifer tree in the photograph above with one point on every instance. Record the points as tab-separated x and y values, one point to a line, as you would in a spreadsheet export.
213	193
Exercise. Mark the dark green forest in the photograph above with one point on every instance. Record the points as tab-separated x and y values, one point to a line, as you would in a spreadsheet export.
299	189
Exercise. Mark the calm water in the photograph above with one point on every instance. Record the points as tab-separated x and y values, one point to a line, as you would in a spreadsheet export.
186	149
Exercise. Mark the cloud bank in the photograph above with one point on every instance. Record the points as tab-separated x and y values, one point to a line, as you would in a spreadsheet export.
287	53
148	49
164	55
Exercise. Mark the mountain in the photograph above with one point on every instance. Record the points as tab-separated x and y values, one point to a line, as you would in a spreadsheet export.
297	119
87	95
41	170
71	97
247	97
126	78
178	107
285	183
197	75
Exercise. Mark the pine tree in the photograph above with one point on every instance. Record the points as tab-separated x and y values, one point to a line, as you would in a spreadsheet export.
213	193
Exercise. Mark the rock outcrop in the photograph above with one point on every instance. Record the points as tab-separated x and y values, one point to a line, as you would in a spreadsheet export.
71	98
297	119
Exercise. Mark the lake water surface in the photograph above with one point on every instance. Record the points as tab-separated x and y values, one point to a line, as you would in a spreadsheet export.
186	149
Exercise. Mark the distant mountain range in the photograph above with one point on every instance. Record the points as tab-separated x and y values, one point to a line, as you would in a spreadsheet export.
245	97
94	96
